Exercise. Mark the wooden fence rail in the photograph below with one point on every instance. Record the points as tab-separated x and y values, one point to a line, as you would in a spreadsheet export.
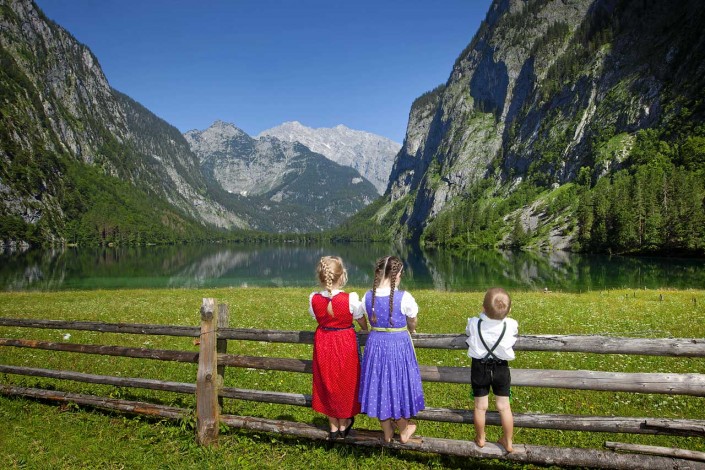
677	347
612	424
213	360
664	383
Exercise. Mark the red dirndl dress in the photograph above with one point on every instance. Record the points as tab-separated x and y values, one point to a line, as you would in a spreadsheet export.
336	359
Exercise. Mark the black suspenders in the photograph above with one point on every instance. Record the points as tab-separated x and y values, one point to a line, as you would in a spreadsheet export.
490	351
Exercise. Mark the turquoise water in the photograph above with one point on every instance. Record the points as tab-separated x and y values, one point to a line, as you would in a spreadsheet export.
234	265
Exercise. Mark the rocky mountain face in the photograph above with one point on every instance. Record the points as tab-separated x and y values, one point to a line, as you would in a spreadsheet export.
286	186
371	155
58	110
82	162
546	88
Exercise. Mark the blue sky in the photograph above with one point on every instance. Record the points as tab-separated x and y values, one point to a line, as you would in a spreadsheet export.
258	63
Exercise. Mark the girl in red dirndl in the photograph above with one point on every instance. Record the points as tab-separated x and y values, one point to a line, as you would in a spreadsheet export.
336	359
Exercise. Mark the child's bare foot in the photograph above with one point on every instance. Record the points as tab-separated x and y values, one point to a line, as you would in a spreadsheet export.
388	429
506	443
480	441
408	431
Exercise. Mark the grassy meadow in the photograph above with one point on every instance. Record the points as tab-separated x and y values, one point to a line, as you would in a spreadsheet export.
44	435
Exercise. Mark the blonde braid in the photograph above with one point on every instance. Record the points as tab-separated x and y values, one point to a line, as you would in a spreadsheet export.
328	274
326	278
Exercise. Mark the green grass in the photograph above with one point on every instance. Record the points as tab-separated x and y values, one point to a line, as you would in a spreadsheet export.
44	435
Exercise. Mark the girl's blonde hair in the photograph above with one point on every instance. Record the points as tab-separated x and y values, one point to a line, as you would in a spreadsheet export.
497	303
386	268
331	274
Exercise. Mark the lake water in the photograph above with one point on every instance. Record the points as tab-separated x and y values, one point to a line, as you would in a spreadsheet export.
226	265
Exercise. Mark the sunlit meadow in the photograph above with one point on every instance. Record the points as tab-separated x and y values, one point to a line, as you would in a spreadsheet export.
45	435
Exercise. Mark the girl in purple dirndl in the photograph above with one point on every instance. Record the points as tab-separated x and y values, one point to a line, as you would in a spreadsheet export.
390	382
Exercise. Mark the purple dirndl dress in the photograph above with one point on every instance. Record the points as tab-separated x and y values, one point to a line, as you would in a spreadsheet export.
390	381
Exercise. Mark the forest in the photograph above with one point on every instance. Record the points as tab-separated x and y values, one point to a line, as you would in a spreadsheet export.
651	203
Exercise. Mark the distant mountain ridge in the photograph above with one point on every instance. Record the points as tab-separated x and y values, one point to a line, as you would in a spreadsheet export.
370	154
81	162
292	188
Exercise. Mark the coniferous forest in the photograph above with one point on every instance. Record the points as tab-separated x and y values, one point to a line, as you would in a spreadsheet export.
654	203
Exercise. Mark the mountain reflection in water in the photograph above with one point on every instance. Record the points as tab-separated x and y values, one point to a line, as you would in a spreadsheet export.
235	265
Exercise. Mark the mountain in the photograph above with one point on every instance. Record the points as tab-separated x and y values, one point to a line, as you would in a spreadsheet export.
370	154
80	160
563	124
284	186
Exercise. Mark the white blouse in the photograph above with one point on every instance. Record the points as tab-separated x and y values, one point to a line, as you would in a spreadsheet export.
353	299
491	329
409	307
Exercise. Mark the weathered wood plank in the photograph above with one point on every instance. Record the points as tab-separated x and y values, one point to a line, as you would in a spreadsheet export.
682	347
222	344
682	384
657	450
269	336
207	409
683	429
559	456
611	424
267	363
608	424
131	328
136	407
679	347
264	396
141	353
151	384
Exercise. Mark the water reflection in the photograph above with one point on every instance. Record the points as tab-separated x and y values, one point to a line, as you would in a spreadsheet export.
293	265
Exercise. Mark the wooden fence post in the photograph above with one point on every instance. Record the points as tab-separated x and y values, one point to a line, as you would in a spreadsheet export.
207	410
222	346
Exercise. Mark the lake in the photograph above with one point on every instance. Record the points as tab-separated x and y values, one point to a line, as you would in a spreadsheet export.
277	265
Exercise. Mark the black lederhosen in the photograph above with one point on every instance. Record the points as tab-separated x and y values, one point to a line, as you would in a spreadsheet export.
486	373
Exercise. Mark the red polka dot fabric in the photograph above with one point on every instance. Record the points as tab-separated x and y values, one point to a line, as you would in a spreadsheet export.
336	360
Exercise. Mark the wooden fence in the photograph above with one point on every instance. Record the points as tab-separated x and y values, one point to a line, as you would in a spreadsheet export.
212	359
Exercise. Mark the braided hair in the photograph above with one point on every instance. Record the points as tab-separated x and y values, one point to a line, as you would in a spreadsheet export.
380	267
331	273
386	268
395	267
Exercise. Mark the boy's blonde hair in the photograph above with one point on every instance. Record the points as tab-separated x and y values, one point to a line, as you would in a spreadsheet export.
497	303
331	273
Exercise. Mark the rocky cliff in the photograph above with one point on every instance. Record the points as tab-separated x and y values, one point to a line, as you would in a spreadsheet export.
370	154
284	185
82	162
546	88
58	110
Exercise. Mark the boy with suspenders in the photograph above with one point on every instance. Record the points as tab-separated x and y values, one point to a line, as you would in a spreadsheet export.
491	337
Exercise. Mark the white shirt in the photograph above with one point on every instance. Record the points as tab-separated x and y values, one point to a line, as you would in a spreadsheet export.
353	300
409	307
491	329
